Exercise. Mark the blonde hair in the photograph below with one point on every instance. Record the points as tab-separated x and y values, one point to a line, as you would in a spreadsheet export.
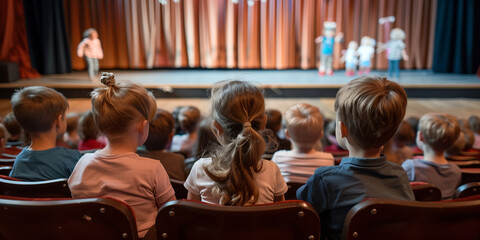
397	33
239	108
36	108
117	105
439	130
371	108
305	125
188	118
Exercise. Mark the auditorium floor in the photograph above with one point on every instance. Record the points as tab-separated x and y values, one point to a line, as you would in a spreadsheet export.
461	108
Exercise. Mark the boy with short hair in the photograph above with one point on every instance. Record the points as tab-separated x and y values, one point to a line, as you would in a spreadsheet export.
437	132
368	113
41	113
304	128
161	130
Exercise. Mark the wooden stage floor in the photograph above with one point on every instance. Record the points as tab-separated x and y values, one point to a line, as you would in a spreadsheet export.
193	83
428	92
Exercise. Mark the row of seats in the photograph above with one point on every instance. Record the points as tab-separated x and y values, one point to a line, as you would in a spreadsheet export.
109	218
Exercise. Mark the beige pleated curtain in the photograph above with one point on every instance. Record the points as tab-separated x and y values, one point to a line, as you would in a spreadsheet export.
266	34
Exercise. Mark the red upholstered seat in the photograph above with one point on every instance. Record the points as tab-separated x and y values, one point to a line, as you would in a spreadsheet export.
90	218
393	219
185	219
180	191
468	189
425	191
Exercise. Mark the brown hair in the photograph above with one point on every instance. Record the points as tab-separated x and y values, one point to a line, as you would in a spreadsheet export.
274	120
12	125
206	140
239	108
371	108
305	125
36	108
86	126
72	121
189	117
160	128
404	134
3	132
474	123
439	130
117	105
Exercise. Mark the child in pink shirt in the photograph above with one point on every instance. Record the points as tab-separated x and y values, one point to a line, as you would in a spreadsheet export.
90	48
122	112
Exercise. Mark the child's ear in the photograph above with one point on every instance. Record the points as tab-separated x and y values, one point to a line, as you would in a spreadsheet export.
287	135
343	129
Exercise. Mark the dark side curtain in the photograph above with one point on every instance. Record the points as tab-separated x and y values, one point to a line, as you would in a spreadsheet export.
47	37
457	37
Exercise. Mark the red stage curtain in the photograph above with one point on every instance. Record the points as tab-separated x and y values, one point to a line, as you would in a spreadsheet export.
13	42
268	34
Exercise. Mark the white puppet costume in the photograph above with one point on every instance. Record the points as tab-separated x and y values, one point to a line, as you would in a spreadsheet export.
365	53
350	58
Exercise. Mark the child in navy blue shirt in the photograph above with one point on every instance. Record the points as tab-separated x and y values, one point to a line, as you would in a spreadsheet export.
41	113
368	113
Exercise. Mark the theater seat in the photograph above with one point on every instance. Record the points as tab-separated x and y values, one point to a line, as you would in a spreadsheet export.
92	218
425	191
184	219
467	190
7	161
470	175
291	193
57	188
5	170
180	191
393	219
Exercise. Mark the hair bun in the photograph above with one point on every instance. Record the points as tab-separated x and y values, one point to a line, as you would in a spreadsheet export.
108	79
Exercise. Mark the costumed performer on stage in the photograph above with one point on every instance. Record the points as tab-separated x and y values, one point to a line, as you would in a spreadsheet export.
328	40
90	48
365	53
350	57
395	51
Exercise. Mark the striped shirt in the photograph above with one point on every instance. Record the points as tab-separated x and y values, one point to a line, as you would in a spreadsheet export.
298	167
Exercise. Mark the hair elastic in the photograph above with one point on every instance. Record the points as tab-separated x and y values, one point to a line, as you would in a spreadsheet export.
247	124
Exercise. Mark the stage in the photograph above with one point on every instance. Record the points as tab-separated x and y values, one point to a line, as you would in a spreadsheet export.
193	83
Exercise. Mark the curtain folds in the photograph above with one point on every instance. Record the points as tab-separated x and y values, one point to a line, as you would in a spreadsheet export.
13	41
267	34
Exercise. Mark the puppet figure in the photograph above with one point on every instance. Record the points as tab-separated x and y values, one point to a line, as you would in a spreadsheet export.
91	49
395	51
328	40
365	53
350	58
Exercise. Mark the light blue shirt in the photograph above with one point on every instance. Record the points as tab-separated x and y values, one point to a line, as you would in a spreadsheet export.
53	163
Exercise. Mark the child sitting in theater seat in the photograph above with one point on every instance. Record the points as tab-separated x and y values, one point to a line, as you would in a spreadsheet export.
368	112
41	113
188	118
304	128
3	136
89	133
71	135
161	130
274	123
474	122
437	132
14	129
122	112
236	175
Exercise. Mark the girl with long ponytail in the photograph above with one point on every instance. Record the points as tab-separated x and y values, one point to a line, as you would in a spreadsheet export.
236	175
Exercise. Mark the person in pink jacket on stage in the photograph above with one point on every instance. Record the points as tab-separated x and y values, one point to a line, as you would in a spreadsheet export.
90	48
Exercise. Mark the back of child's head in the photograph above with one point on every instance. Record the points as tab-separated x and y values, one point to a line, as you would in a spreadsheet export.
474	122
371	108
457	146
206	140
304	125
274	120
189	117
12	126
3	136
160	130
413	121
117	105
72	121
36	108
86	127
404	135
238	108
439	130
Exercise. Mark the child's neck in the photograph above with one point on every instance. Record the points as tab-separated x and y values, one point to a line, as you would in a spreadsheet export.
354	151
43	141
434	156
119	146
297	150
